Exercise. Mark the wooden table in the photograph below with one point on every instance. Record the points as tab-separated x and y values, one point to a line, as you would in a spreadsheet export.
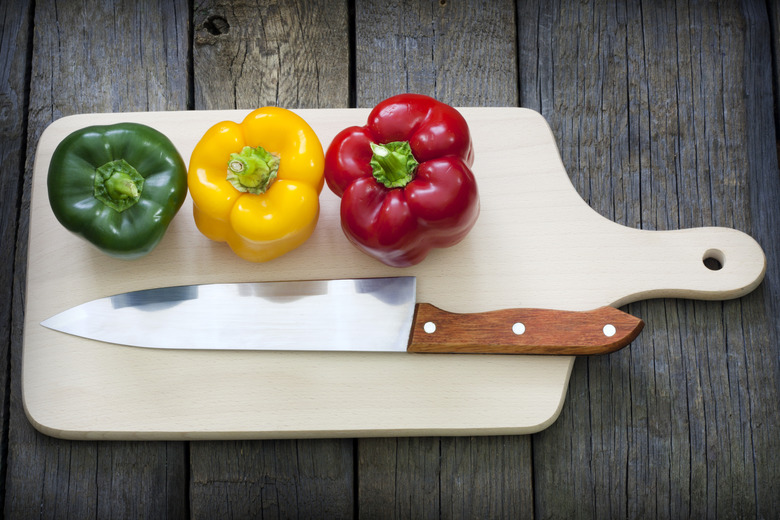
665	118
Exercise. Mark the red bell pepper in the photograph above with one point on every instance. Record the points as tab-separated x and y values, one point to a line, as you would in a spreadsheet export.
405	179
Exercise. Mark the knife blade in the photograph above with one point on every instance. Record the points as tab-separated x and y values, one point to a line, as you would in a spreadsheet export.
369	315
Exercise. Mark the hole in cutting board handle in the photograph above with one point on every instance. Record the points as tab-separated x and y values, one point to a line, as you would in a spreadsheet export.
714	259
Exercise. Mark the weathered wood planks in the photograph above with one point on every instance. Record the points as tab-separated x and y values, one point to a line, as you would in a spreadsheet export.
293	54
459	52
14	55
664	116
95	57
655	106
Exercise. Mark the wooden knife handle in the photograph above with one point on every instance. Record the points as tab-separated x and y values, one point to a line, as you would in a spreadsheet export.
523	331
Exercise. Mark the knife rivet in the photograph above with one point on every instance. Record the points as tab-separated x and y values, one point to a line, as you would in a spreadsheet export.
518	328
609	330
429	327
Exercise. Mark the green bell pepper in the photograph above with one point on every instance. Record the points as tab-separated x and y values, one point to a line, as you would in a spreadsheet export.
117	186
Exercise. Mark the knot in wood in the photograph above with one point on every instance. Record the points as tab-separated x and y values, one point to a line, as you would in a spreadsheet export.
216	25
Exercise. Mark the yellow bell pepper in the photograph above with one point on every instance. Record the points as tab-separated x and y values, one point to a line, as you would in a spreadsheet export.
256	184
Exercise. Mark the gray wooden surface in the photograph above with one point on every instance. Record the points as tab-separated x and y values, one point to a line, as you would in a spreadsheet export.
666	117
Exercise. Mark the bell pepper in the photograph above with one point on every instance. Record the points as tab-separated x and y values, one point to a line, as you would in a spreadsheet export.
117	186
256	184
405	179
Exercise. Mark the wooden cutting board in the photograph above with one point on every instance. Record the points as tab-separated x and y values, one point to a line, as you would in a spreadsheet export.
536	244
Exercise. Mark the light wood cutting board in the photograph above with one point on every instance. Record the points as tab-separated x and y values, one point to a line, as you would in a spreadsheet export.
536	244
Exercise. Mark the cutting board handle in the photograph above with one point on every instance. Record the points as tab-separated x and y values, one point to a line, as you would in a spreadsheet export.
706	263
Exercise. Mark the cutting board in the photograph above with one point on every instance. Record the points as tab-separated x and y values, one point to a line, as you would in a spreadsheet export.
536	244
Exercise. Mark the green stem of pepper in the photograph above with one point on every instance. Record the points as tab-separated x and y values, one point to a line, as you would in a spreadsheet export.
121	186
253	170
393	164
118	185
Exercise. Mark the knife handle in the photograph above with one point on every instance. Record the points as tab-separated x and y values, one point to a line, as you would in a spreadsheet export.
523	331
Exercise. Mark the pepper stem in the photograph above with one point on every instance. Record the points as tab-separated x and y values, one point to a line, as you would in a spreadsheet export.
118	185
253	170
393	164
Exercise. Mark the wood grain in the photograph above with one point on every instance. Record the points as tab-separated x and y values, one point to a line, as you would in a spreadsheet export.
759	312
14	35
293	54
409	46
656	110
542	331
91	57
281	479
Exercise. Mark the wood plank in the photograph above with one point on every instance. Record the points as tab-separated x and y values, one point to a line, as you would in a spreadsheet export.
14	55
462	53
280	479
407	487
93	57
405	46
293	54
289	53
486	477
450	477
648	104
762	332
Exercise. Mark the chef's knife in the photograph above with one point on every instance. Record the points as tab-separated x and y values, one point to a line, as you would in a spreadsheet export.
372	314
